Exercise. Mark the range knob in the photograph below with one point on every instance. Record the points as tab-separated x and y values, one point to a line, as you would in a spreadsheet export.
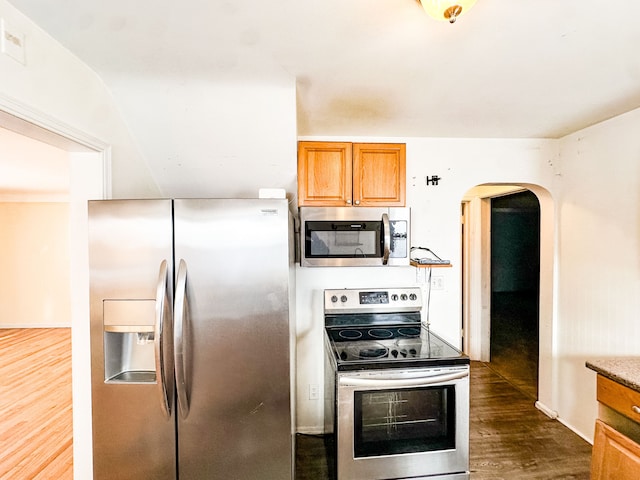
334	299
413	296
403	297
394	297
343	298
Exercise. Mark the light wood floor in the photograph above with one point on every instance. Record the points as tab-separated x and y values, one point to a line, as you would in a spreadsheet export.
35	404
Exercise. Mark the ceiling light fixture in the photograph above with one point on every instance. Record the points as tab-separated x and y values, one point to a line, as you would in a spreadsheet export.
448	10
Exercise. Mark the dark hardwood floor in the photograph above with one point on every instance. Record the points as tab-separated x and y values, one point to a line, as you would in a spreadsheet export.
509	438
311	461
514	339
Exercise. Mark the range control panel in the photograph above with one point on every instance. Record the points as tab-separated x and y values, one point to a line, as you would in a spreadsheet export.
373	300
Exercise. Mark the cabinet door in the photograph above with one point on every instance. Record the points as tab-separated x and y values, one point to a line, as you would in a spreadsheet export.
379	174
324	174
615	456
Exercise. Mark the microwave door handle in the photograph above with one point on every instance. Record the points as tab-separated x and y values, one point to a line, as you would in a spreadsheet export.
401	382
386	246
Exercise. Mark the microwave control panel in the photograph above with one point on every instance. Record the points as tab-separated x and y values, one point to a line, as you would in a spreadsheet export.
399	237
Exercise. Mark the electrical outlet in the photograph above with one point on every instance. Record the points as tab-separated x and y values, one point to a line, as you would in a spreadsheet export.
437	282
314	392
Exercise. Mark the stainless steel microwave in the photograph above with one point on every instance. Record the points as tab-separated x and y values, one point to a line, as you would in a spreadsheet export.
354	236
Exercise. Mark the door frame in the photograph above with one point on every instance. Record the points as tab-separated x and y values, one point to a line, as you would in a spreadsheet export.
476	277
90	178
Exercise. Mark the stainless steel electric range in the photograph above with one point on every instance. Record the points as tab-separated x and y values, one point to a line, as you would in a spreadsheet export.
396	394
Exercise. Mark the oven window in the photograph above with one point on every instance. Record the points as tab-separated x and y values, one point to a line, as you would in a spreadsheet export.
342	239
404	421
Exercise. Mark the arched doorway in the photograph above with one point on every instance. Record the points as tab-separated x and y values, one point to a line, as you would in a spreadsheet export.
477	278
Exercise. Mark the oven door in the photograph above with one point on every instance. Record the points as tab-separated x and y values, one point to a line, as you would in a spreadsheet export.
401	424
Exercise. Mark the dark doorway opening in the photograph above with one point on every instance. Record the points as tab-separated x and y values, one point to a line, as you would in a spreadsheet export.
515	289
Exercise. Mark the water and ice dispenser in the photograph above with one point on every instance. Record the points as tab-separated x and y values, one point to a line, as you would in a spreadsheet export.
129	349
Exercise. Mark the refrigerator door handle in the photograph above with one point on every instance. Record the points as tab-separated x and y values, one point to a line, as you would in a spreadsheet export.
162	304
180	310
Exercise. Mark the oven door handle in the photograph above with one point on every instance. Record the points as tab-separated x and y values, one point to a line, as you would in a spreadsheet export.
401	382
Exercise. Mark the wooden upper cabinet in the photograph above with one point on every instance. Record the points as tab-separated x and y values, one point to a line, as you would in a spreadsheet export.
341	174
324	173
379	174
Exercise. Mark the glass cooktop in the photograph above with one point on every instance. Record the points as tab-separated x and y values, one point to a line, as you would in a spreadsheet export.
390	346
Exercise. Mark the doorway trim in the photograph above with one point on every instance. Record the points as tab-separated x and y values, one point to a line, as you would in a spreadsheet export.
476	281
90	178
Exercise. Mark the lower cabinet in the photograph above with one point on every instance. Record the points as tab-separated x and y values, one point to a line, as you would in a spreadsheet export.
615	456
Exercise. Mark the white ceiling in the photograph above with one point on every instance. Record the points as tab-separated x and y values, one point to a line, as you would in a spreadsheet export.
517	68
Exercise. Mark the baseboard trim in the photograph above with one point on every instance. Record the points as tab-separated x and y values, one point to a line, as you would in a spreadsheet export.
576	431
555	416
310	430
546	410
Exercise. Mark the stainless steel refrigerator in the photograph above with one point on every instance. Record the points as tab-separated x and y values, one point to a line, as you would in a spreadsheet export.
191	339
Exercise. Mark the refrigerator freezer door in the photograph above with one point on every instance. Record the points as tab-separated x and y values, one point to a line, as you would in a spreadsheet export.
235	339
133	422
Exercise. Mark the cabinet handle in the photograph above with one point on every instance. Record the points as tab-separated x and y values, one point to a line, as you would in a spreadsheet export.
636	409
348	202
357	202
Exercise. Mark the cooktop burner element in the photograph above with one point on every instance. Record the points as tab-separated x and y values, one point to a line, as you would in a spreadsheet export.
368	350
409	332
350	334
380	333
383	329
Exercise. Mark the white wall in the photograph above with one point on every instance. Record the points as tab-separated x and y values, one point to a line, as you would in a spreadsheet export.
56	84
34	244
34	248
31	170
170	136
461	164
598	260
209	138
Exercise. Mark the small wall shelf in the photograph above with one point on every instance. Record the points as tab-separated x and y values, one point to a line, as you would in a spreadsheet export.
431	265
